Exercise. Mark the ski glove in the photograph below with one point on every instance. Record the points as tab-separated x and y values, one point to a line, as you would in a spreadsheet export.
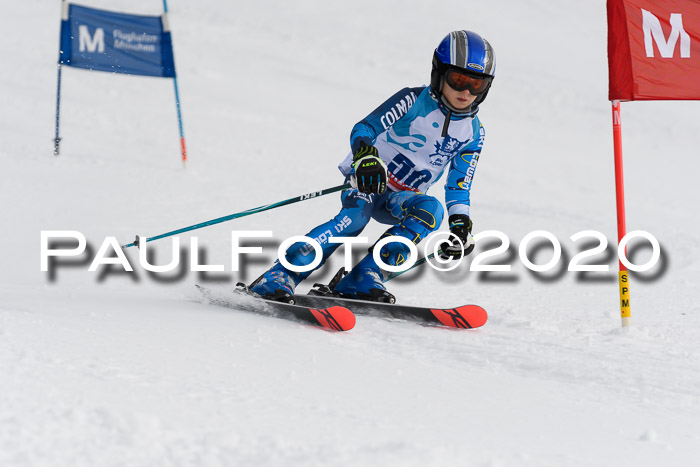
461	228
370	172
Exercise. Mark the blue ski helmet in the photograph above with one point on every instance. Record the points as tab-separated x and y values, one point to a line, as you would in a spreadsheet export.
469	54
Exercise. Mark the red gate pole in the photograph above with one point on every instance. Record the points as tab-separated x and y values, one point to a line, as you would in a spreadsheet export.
625	310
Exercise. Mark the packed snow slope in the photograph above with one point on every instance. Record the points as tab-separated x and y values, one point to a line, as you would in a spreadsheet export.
107	368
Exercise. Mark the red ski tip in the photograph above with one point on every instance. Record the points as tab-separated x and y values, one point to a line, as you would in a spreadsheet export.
463	317
336	318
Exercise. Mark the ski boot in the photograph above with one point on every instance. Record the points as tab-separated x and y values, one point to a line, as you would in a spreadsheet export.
276	284
364	282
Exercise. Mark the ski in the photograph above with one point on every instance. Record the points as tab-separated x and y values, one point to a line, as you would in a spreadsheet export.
328	316
462	317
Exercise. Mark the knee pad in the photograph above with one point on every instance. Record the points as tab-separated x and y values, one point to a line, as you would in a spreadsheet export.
424	215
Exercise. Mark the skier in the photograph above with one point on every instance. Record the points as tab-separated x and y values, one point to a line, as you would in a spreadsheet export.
399	151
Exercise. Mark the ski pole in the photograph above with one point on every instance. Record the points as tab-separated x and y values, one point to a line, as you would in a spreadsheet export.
248	212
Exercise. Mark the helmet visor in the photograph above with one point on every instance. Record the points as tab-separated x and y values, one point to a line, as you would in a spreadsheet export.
461	81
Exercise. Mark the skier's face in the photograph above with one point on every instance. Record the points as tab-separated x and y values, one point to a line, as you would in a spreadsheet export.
460	100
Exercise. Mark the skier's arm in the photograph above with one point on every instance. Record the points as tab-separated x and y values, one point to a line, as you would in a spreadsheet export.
460	176
383	117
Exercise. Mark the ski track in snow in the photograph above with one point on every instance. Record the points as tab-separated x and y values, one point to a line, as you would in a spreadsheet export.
114	370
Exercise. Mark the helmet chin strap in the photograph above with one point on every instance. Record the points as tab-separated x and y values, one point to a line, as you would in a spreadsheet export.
446	125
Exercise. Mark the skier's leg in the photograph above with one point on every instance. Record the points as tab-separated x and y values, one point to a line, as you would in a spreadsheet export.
279	282
422	214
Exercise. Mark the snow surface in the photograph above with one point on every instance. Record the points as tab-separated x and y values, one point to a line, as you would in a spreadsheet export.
109	369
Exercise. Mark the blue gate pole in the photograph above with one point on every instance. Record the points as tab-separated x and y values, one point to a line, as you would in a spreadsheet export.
183	147
57	139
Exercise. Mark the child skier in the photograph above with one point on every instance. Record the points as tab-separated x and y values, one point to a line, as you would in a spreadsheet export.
399	151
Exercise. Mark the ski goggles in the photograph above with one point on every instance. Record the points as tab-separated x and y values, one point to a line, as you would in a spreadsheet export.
460	81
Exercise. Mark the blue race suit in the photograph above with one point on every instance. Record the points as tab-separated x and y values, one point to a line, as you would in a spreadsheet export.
407	131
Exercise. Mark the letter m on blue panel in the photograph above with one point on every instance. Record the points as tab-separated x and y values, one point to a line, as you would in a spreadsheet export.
116	42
